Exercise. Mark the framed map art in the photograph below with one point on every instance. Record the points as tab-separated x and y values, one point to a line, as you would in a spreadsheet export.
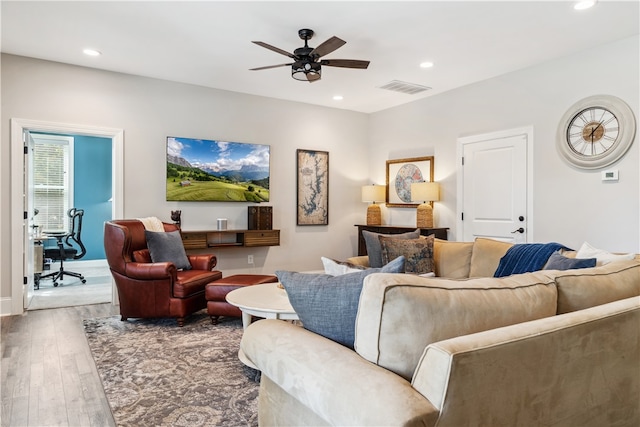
312	187
401	173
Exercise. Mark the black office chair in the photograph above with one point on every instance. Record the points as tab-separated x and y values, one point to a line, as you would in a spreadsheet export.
69	246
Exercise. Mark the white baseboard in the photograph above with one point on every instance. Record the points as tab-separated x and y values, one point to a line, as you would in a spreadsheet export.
5	306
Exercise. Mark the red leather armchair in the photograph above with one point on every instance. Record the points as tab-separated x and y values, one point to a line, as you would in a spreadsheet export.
150	290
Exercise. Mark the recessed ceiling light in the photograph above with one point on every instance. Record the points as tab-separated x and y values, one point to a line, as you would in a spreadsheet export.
338	98
582	5
426	64
91	52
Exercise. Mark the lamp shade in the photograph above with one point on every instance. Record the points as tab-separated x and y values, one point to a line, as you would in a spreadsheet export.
425	192
373	193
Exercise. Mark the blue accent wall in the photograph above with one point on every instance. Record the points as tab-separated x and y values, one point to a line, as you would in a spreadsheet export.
92	190
92	173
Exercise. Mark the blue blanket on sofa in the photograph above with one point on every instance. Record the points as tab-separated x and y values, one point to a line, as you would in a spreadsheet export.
526	257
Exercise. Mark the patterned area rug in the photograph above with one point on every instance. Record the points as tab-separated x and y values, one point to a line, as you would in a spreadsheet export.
157	374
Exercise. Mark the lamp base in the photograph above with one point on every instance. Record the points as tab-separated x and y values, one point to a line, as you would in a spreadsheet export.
424	216
374	215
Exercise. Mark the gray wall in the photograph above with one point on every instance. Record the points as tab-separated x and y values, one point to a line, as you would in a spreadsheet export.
149	110
571	205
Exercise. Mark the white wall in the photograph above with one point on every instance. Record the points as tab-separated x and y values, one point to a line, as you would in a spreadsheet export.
570	205
149	110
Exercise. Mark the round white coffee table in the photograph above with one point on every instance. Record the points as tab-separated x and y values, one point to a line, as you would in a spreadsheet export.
265	300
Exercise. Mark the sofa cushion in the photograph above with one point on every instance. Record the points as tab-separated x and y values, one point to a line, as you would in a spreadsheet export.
418	253
359	260
167	247
577	369
588	287
400	314
337	268
486	255
452	259
561	262
327	305
374	250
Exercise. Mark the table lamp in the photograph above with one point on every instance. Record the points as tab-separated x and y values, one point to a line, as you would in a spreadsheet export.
425	192
374	194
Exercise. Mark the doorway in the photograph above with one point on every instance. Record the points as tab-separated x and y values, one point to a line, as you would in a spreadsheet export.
70	172
495	186
22	283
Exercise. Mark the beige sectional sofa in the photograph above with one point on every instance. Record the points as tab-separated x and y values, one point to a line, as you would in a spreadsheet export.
556	348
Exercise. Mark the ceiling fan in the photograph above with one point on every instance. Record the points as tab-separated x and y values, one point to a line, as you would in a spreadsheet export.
307	65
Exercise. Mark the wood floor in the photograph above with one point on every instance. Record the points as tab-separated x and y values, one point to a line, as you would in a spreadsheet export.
48	374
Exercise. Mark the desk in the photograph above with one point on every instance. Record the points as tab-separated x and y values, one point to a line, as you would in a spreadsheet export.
38	254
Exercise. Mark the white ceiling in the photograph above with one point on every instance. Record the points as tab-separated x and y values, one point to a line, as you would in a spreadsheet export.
208	43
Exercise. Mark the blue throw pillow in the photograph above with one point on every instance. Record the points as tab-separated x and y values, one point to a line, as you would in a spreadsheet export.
167	247
327	305
560	262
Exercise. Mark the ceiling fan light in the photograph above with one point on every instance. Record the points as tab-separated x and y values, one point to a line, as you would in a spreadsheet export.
300	70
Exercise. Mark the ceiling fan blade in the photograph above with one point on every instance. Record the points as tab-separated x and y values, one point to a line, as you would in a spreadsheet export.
275	49
270	66
345	63
327	47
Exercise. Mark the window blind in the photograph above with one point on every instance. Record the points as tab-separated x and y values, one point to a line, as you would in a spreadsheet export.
51	186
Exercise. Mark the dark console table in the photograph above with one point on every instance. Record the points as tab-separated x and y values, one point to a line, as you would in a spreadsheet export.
440	233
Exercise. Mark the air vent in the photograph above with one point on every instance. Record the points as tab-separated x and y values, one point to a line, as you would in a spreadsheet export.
404	87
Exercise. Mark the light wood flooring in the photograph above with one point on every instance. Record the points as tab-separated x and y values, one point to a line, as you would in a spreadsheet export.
48	374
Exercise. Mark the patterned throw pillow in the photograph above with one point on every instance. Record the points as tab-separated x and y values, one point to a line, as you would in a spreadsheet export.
373	244
418	253
328	305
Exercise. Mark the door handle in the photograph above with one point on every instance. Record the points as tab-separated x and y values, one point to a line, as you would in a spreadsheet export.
519	230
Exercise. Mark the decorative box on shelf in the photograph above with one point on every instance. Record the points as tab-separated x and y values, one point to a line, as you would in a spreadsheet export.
260	217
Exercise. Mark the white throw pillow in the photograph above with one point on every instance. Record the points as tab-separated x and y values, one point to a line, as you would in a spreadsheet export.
336	268
602	257
430	274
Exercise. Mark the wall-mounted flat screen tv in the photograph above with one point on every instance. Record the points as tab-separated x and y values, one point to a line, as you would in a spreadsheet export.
220	171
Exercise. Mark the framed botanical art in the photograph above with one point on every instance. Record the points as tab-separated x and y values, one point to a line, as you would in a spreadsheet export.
401	173
312	187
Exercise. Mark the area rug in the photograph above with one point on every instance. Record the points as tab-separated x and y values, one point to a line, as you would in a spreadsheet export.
155	373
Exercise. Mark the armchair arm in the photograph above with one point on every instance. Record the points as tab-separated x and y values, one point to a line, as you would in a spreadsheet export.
331	380
203	262
151	270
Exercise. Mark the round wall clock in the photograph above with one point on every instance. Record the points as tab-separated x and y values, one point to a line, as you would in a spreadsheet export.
596	131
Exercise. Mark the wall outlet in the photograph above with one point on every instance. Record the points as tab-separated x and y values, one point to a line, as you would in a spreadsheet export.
250	259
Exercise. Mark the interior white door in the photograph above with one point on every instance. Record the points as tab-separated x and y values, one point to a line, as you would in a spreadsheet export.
28	223
495	186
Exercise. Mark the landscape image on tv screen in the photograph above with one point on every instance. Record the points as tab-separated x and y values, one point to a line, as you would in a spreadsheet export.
221	171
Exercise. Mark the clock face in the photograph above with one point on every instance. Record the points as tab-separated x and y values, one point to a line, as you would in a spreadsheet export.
592	132
596	132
